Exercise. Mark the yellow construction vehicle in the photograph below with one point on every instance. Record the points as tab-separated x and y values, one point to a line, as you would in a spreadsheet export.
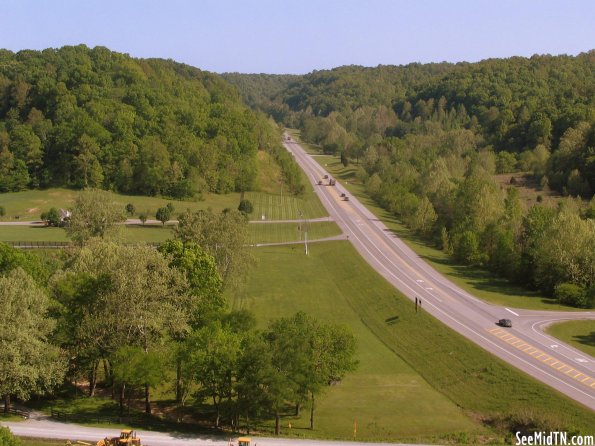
127	438
244	441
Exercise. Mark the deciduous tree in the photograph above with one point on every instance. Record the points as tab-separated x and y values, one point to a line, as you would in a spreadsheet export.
29	363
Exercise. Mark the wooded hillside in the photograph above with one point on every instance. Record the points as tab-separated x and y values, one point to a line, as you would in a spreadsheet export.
428	140
79	117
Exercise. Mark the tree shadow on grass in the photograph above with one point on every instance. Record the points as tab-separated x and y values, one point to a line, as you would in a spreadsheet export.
486	281
586	339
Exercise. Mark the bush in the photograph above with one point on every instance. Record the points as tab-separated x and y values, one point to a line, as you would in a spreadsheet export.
246	207
52	217
163	214
571	294
130	209
2	211
7	439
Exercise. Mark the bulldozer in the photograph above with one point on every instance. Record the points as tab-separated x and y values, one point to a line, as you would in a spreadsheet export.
127	438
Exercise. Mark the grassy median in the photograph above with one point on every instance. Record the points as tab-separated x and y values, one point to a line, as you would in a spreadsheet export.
418	380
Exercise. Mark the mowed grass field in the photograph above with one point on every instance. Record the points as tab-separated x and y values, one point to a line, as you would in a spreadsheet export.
479	282
29	205
579	334
417	380
386	397
257	233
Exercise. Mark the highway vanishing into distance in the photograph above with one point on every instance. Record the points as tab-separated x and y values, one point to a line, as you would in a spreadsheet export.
525	345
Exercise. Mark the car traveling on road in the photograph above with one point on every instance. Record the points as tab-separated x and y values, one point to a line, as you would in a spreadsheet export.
505	323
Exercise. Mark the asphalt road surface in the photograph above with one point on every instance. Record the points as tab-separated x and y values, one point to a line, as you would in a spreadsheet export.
525	345
41	427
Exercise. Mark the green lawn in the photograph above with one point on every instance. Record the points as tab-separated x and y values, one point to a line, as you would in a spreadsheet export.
417	380
580	334
479	282
26	441
386	396
29	205
258	233
289	232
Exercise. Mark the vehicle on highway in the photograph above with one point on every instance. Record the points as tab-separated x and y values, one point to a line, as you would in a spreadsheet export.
325	177
319	182
343	195
505	323
346	198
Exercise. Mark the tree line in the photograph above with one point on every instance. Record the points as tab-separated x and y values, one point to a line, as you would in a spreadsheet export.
89	117
131	318
427	140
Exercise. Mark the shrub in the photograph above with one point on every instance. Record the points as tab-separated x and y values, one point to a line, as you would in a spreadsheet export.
163	214
52	217
571	294
130	209
246	207
7	439
2	211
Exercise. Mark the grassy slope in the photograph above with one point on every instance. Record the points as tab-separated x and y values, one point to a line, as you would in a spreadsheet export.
385	395
580	334
477	281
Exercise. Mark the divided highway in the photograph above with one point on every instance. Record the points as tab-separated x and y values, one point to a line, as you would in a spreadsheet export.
524	346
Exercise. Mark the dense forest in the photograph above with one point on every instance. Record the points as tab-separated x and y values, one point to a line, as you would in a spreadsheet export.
82	117
428	140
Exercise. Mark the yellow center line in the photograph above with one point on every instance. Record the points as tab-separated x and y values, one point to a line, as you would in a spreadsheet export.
543	357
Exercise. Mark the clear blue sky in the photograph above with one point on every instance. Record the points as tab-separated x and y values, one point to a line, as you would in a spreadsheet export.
298	36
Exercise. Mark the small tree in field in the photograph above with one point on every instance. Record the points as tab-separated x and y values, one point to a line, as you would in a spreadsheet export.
143	217
52	217
246	207
2	211
163	214
130	209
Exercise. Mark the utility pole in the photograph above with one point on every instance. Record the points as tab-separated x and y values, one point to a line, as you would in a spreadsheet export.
305	229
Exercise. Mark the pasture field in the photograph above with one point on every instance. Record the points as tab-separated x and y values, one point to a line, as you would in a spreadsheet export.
579	334
417	379
29	205
479	282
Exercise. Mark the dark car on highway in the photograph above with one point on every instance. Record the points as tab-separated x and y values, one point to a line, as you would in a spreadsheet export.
505	323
